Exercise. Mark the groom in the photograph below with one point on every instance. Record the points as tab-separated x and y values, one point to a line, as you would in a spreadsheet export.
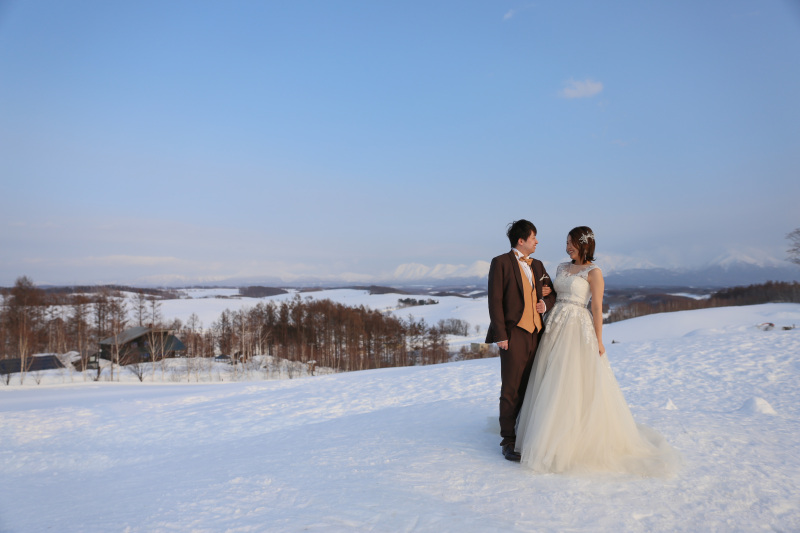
520	291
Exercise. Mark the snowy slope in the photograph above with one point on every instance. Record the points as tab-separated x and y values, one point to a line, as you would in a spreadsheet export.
208	309
413	449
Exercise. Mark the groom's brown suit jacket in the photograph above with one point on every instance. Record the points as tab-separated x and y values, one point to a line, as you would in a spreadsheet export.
506	299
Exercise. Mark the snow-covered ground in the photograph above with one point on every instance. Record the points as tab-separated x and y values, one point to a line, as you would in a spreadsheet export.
691	295
414	449
177	370
208	306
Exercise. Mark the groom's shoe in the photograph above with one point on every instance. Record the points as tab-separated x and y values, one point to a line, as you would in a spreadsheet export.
509	453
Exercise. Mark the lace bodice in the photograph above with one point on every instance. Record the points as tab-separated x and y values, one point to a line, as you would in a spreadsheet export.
572	284
572	295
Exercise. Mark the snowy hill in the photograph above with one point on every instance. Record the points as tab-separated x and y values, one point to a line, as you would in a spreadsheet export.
207	305
414	449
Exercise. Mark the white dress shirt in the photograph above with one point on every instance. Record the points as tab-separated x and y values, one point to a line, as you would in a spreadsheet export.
527	269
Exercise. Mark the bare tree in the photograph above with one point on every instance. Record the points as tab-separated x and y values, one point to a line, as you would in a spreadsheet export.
224	332
138	369
155	311
79	327
118	321
140	307
57	320
24	316
52	319
454	326
4	332
190	335
101	310
794	250
156	338
156	341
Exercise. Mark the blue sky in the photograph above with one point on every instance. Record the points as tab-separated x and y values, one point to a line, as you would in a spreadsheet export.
178	141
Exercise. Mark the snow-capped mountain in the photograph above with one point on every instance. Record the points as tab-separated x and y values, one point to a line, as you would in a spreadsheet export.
747	257
417	272
723	271
744	267
726	270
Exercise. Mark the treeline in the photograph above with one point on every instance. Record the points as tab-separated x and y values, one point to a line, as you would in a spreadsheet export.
260	292
52	293
316	332
327	333
770	292
35	320
411	302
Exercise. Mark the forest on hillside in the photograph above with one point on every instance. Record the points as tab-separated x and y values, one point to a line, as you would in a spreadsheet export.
322	332
770	292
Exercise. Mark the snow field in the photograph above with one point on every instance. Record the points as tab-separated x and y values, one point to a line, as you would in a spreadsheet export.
413	449
208	308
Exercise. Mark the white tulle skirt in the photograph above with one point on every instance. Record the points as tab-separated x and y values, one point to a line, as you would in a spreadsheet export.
574	417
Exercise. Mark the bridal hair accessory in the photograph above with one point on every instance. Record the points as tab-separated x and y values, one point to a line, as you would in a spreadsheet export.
585	237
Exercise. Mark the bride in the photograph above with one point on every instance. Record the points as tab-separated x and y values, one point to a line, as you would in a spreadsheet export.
574	417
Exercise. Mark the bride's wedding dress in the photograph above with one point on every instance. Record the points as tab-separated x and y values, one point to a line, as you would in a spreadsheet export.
574	417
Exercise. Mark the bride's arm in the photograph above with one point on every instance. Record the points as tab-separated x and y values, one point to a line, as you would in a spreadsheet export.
597	285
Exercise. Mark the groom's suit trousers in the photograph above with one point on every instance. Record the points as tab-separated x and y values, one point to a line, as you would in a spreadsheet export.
515	370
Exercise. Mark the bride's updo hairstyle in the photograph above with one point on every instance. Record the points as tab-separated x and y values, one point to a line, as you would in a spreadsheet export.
583	238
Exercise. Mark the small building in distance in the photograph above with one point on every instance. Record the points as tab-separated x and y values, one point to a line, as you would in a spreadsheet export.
141	344
33	363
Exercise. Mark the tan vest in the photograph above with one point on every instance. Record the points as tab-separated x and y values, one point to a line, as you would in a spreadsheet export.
531	321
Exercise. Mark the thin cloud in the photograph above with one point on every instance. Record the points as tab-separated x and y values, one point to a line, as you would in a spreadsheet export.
581	89
511	13
128	260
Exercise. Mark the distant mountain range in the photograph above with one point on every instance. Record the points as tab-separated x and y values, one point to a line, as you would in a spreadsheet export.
620	272
724	271
710	277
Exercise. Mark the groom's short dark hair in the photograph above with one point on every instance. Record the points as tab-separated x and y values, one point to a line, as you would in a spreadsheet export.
520	229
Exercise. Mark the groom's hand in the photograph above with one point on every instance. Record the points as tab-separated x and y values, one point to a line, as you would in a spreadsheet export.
540	307
503	345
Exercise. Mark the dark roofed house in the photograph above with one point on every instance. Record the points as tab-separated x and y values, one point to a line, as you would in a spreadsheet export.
142	344
34	363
